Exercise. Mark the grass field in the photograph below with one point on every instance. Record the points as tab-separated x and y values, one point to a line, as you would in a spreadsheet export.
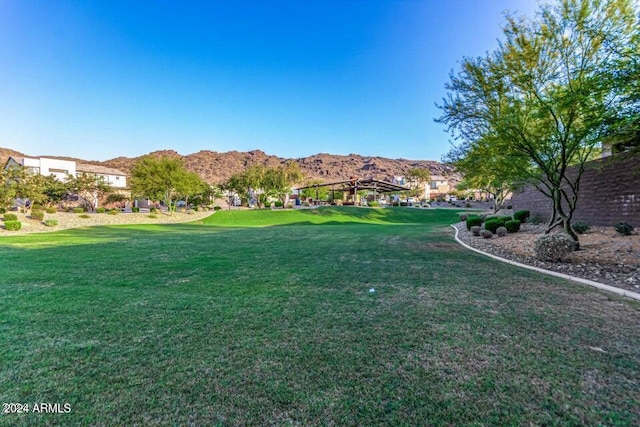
239	321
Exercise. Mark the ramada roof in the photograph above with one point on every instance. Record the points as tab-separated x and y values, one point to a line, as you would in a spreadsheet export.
360	184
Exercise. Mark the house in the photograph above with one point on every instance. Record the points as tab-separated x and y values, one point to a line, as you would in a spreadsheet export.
436	187
61	168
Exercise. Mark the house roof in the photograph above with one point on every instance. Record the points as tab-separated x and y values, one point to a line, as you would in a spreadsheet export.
85	167
360	184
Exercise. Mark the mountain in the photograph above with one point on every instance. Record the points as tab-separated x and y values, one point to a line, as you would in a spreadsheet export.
215	167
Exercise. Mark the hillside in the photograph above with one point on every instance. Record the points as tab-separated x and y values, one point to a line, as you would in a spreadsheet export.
215	167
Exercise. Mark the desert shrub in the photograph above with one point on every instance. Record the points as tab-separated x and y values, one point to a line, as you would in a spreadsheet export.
521	215
36	207
37	214
486	234
278	203
467	205
84	216
289	205
3	210
10	217
503	219
473	220
51	210
12	225
475	230
492	225
113	212
216	208
191	212
51	222
463	217
101	210
374	204
554	247
152	216
78	210
153	210
501	231
135	209
512	226
580	227
623	228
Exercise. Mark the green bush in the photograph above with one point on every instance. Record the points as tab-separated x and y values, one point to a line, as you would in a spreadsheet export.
153	210
135	209
580	227
152	216
374	204
3	210
278	204
84	216
521	215
78	210
216	208
12	225
37	214
113	212
473	220
101	210
492	225
36	207
51	210
10	217
512	226
623	228
51	222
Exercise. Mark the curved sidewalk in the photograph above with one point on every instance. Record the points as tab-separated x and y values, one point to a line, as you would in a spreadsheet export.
587	282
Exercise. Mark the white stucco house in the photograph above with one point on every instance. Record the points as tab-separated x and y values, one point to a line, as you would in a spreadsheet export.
60	168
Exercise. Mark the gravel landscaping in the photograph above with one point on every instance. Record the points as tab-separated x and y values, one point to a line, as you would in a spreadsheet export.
605	256
73	220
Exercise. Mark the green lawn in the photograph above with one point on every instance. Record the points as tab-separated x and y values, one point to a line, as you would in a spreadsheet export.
237	321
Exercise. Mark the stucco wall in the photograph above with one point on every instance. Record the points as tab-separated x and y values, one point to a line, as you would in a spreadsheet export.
609	193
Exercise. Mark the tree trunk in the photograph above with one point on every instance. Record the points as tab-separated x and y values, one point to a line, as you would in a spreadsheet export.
561	218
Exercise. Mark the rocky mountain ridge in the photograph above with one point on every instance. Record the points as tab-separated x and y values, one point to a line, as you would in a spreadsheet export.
215	167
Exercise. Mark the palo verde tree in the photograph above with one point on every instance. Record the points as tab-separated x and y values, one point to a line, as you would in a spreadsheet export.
89	188
159	179
549	94
278	180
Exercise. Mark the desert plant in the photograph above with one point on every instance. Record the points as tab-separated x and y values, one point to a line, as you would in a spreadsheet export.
473	220
535	219
512	226
554	247
278	203
191	212
463	217
289	205
3	210
51	210
475	230
486	234
135	209
521	215
580	227
50	222
492	225
10	217
84	216
37	214
152	216
501	231
78	210
623	228
374	204
216	208
153	210
100	210
113	212
12	225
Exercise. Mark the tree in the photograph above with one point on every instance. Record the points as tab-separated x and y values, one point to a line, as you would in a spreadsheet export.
159	179
9	179
416	178
315	193
89	187
30	188
247	184
55	190
278	180
548	95
190	185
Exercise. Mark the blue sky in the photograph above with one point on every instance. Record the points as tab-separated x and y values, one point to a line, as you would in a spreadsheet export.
101	79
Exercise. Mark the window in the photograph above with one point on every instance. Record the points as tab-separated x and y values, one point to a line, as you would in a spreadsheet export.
433	185
53	170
